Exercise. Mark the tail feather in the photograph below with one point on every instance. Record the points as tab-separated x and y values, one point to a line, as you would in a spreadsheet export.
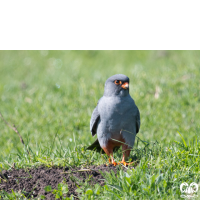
95	146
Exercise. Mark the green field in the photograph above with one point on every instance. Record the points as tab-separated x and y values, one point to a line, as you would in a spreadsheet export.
50	96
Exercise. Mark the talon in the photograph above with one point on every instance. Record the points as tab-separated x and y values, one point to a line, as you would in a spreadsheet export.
125	163
111	162
114	163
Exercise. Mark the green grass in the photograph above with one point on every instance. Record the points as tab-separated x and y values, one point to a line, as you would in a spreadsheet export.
50	96
158	176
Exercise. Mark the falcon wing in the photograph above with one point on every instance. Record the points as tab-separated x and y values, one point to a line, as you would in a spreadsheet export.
94	120
137	121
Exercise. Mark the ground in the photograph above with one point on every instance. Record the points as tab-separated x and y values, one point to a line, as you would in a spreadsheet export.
32	182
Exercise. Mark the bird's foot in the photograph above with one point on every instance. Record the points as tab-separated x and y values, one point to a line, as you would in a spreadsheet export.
112	162
125	163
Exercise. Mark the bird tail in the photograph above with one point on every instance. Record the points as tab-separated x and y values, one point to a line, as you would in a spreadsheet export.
95	146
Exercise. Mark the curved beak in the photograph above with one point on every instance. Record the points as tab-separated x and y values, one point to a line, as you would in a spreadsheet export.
125	85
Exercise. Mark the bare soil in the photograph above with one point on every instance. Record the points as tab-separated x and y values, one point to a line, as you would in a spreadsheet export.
31	182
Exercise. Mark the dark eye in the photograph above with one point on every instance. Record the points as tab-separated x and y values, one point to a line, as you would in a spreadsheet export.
117	82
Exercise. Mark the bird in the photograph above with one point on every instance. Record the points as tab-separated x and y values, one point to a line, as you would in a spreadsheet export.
115	120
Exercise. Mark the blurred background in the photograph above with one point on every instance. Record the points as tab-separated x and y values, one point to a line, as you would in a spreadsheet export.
45	93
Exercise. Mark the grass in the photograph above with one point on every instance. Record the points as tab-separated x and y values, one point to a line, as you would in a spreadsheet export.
50	96
158	176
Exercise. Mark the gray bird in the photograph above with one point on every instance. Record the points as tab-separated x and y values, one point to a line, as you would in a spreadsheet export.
116	119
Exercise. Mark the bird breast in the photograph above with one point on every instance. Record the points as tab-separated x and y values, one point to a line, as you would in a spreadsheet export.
116	114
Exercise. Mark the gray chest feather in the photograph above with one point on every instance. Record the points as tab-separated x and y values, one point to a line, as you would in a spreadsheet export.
116	114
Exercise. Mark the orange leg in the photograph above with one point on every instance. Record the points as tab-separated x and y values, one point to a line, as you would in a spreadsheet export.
126	153
109	152
113	161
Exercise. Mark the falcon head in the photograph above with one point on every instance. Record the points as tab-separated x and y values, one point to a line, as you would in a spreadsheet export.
117	85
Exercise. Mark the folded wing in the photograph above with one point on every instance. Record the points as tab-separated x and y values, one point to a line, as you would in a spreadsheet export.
94	120
138	121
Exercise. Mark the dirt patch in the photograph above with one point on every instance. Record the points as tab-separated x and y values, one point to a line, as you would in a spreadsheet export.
31	182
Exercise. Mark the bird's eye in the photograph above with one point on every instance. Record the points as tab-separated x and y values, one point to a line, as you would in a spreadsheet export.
117	82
